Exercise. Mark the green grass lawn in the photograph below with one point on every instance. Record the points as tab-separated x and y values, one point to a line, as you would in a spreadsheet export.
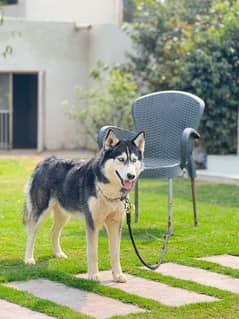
218	233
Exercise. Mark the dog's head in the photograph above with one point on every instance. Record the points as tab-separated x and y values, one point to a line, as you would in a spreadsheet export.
123	160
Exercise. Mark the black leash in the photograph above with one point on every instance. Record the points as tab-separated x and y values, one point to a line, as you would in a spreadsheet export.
165	242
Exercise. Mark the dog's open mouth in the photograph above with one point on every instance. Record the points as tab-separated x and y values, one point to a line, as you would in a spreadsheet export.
127	184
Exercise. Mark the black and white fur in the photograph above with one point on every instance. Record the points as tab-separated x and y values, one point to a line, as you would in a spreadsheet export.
96	190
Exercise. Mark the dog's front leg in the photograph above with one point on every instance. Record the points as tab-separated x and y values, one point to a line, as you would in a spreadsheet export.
113	226
92	253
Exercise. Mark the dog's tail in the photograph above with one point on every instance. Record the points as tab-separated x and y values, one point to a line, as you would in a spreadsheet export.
27	209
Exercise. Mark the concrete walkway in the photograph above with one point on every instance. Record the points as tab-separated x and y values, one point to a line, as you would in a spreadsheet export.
221	168
9	310
204	277
74	154
79	300
224	260
104	307
170	296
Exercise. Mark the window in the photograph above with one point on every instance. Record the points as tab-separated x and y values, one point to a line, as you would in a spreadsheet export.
4	92
9	2
128	10
5	116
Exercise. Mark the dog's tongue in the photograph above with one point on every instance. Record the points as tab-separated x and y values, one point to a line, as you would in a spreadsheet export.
127	185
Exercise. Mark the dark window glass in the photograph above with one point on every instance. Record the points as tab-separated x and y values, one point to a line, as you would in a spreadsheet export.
6	2
128	10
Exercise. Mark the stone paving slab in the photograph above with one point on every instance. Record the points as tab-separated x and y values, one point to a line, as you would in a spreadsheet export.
10	310
163	293
79	300
224	260
201	276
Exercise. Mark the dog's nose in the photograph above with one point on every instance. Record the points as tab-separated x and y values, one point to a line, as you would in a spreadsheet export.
130	176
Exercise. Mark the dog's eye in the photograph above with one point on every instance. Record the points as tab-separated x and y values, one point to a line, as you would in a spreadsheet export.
121	159
134	160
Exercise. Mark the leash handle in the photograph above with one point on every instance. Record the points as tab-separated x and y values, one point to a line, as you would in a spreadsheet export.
164	247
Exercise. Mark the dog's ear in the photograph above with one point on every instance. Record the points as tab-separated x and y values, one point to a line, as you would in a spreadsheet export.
110	140
139	141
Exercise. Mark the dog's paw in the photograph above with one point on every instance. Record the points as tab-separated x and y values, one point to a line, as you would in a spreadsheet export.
60	254
119	277
29	261
94	277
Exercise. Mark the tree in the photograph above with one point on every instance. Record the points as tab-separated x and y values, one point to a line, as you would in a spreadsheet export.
192	45
109	101
211	70
162	34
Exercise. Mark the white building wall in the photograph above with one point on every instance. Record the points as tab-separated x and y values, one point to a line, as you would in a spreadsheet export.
90	11
65	56
108	43
62	54
16	10
82	11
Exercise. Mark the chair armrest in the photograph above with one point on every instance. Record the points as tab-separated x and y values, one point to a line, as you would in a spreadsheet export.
189	134
120	132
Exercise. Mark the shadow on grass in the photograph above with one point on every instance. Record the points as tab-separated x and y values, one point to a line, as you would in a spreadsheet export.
211	193
15	269
147	235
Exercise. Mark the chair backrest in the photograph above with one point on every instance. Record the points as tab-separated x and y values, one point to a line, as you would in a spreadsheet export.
163	116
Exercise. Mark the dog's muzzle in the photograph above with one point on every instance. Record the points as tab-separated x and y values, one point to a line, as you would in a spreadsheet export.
127	183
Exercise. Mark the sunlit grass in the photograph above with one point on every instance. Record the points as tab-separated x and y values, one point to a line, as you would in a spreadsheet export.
218	233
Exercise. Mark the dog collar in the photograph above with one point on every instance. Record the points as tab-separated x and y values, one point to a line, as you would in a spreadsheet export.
122	198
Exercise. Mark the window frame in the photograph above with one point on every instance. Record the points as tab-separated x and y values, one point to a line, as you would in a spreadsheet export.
10	2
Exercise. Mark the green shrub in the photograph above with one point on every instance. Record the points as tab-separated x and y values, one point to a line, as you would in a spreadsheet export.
192	45
107	103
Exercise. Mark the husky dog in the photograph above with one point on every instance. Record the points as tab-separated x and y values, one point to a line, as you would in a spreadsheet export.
96	189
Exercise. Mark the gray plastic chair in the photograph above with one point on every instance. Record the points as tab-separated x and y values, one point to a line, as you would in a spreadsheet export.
170	120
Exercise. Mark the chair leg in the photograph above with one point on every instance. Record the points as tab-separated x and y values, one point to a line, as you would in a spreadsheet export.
170	206
194	201
136	201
